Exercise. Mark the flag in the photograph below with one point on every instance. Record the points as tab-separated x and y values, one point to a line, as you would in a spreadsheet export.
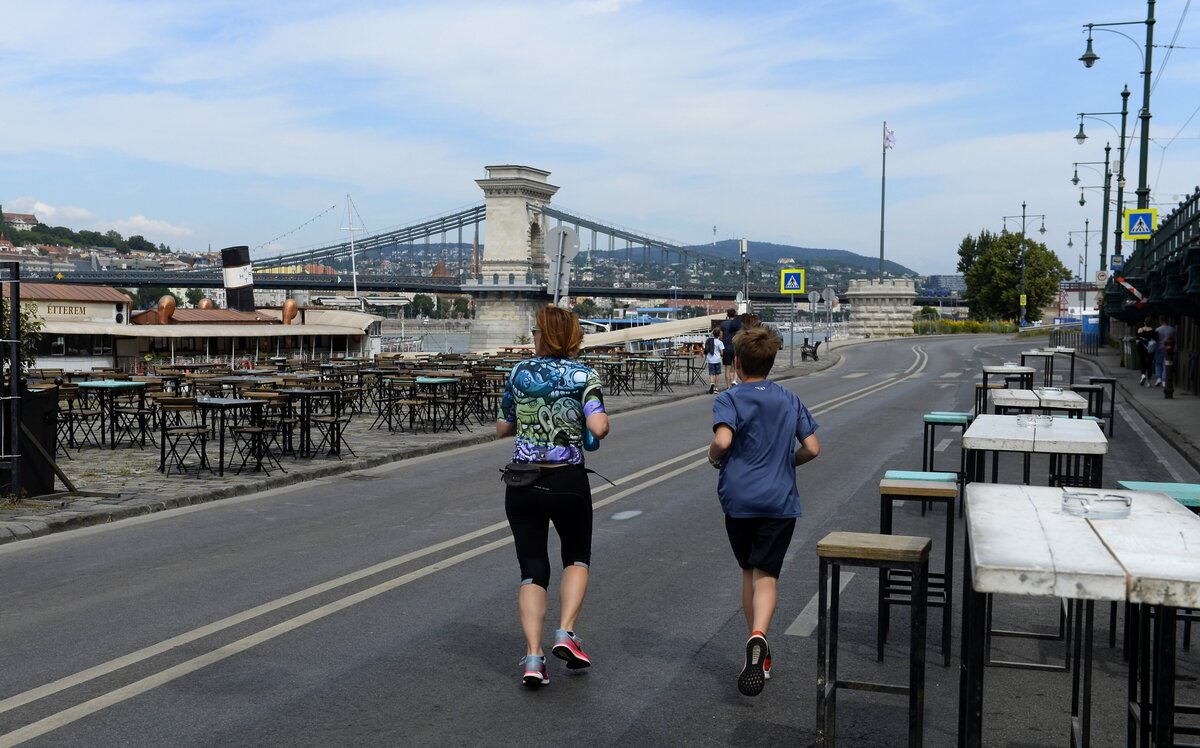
889	139
1081	259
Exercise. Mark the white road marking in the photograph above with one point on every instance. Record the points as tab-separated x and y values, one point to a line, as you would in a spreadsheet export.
628	514
941	446
854	375
72	714
951	374
806	622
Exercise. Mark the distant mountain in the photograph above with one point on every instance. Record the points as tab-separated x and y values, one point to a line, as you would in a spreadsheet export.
830	258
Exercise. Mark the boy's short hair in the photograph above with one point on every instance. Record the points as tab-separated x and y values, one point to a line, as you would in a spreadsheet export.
756	348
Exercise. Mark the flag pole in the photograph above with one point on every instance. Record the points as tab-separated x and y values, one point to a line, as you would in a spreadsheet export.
882	194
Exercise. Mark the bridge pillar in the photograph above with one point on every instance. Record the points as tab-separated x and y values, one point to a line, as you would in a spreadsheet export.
881	308
511	284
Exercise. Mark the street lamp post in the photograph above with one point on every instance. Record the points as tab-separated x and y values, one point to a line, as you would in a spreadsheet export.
1083	278
1107	189
1082	136
1023	216
1089	59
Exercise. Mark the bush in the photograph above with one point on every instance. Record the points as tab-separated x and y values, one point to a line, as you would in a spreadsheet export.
963	326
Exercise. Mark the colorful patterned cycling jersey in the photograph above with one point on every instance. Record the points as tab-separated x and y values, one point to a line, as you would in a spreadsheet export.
548	399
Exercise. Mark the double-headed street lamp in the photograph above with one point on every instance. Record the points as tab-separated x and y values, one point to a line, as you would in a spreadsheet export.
1042	230
1089	59
1080	137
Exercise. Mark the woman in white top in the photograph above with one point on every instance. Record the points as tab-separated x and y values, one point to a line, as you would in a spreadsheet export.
713	349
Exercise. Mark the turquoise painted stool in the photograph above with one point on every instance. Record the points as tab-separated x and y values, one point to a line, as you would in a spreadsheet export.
932	421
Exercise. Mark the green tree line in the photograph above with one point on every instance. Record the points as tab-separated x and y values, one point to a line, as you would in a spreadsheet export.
61	235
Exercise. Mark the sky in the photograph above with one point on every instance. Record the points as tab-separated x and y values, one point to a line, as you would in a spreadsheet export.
215	123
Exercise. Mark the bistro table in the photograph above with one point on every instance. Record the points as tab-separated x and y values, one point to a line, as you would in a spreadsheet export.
1005	402
108	389
1056	398
1076	447
657	373
1007	370
1069	352
237	384
221	406
442	390
1047	358
1019	541
306	397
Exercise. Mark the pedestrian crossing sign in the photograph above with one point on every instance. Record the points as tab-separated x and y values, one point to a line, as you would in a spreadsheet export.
791	281
1140	223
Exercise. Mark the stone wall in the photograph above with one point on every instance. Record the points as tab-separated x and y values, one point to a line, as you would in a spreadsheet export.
881	309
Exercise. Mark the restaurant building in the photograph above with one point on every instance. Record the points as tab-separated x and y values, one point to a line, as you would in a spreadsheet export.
86	327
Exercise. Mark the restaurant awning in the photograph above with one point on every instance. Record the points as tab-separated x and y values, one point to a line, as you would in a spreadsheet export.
194	331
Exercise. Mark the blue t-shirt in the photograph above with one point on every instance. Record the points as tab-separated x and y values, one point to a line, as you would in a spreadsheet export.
758	474
549	399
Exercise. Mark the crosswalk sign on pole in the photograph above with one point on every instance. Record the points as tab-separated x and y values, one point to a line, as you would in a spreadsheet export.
791	280
1140	223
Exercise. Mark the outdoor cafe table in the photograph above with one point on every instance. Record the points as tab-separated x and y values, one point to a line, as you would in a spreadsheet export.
434	385
306	397
108	389
221	406
1004	401
1066	352
1041	397
692	366
243	383
1025	372
1020	542
1055	398
1075	443
1047	364
658	375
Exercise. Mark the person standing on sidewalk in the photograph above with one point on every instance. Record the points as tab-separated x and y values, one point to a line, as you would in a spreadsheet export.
1147	342
755	429
548	402
1165	331
730	327
713	349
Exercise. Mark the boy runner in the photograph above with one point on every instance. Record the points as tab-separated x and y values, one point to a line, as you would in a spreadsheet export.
754	425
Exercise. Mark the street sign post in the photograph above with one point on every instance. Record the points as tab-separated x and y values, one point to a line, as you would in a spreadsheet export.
564	246
791	281
1140	223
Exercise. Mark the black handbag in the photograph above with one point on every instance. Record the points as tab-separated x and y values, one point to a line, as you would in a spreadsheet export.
520	474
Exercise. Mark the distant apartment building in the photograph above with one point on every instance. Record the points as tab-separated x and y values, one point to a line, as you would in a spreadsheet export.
950	283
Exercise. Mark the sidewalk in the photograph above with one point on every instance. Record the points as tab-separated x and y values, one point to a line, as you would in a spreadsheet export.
1177	420
125	482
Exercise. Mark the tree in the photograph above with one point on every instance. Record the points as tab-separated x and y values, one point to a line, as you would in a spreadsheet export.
139	243
462	308
193	296
994	278
586	309
421	305
148	296
971	248
30	326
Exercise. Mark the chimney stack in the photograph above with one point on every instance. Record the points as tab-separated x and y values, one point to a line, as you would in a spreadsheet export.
239	278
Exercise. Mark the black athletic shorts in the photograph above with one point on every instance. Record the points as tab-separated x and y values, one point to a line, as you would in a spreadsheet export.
727	355
562	496
760	542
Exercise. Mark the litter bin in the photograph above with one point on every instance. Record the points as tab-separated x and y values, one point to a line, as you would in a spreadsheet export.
39	414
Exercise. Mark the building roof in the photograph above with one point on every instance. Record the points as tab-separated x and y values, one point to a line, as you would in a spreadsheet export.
69	292
194	331
207	317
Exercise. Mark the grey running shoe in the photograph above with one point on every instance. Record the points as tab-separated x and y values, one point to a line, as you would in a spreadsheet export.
533	668
568	647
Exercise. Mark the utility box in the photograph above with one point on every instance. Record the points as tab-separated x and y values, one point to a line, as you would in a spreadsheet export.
39	413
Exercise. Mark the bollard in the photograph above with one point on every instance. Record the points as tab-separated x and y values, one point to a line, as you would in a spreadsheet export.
1169	369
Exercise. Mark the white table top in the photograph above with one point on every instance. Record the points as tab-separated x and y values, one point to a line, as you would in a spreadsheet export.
1023	543
1015	399
1059	349
1062	399
1008	369
1064	436
1041	353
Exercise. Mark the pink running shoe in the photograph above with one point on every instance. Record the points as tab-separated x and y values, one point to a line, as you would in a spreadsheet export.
568	647
533	669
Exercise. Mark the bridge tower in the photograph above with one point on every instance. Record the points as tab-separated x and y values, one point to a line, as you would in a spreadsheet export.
511	284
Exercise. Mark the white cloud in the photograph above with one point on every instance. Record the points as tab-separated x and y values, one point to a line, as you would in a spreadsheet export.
154	230
49	214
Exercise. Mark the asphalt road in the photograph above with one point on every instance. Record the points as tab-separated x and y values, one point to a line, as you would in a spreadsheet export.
379	608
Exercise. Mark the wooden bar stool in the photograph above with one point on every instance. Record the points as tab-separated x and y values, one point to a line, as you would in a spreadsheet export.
838	549
895	585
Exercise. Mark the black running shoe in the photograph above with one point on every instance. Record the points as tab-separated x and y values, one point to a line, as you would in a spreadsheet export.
752	679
